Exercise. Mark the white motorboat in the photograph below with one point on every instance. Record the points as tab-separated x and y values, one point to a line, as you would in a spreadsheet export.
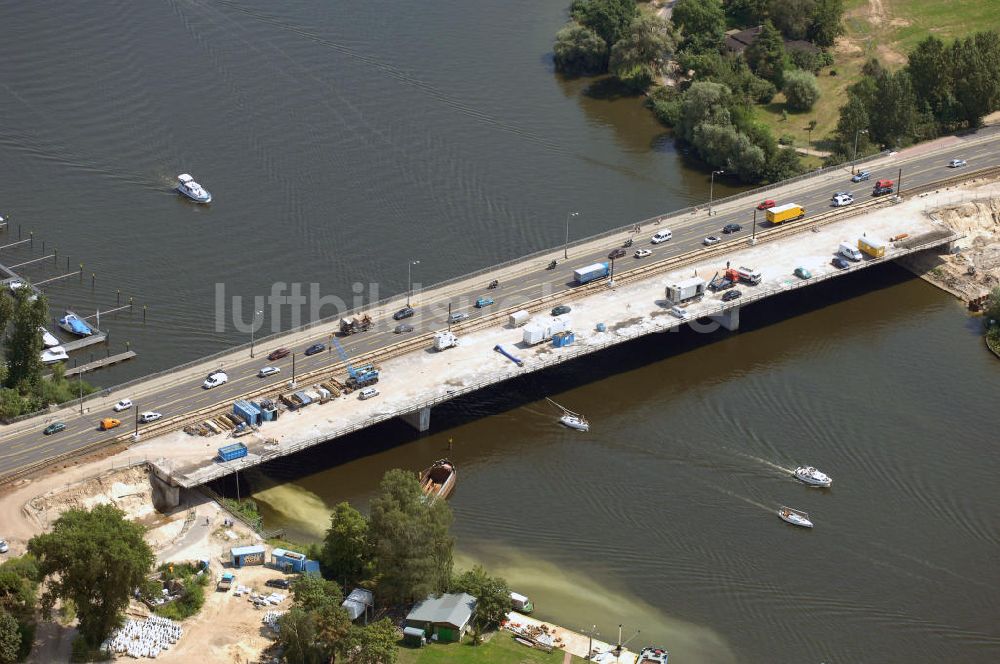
653	655
795	517
47	338
571	419
187	186
54	354
812	477
72	324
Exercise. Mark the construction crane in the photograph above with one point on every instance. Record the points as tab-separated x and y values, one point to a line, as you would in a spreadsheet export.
357	376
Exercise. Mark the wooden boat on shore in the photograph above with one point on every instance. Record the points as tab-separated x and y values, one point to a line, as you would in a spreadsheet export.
438	481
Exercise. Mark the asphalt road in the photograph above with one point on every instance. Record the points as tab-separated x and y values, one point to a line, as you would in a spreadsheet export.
29	446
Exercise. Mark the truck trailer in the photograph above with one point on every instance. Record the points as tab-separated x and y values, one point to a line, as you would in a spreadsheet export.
591	272
445	340
685	291
871	246
786	212
518	318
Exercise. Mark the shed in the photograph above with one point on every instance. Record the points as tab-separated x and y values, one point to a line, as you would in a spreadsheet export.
359	600
288	561
444	618
248	412
247	555
414	636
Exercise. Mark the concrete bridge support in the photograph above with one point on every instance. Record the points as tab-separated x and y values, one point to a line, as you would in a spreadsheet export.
419	419
729	319
166	495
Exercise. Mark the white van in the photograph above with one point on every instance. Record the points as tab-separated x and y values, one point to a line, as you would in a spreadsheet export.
367	393
849	251
661	236
680	312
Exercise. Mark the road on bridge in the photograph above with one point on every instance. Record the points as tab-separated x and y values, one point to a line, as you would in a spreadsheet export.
23	445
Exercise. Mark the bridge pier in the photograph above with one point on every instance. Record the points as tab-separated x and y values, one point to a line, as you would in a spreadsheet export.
166	495
419	419
729	319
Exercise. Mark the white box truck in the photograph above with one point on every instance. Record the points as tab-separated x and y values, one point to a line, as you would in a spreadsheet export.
444	340
685	291
849	251
519	318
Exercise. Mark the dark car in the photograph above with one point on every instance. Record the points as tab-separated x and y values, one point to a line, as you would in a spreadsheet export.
731	295
731	228
315	348
55	427
278	583
403	328
617	253
405	312
560	310
840	263
278	354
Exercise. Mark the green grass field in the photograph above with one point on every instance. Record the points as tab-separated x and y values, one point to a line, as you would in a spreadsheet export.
499	649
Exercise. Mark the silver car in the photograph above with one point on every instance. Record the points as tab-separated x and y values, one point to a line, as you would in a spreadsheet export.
710	240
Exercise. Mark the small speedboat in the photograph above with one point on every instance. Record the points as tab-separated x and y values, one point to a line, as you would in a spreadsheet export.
187	186
438	481
812	477
72	324
54	354
795	517
47	338
652	655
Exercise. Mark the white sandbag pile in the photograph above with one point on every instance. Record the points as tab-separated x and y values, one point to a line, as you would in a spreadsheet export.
271	619
145	638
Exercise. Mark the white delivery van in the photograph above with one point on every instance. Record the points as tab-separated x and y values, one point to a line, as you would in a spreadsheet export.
680	312
661	236
849	251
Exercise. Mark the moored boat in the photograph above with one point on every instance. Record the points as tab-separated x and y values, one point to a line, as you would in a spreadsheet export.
571	419
812	477
48	339
187	186
72	324
54	354
438	481
652	655
795	517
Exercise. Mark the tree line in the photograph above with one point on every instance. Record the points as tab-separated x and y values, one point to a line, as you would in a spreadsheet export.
22	386
943	87
613	36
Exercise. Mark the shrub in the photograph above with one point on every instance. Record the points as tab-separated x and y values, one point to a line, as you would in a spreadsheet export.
801	90
787	139
579	50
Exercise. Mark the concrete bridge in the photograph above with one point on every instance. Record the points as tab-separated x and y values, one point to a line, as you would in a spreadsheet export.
633	306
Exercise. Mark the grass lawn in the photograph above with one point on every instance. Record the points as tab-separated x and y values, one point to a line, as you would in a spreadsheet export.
499	649
886	29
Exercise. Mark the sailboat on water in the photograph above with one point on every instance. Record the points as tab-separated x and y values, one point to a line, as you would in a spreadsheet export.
571	419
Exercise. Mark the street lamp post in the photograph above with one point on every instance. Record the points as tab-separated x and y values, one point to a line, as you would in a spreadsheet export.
409	280
253	326
753	234
711	190
566	245
135	407
611	274
855	157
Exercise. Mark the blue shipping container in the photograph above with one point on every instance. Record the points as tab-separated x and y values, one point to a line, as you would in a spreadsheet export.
591	272
247	411
234	451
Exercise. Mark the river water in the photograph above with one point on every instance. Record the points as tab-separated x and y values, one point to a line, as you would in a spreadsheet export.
342	140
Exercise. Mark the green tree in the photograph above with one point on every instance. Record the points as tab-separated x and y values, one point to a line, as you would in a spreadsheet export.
96	559
10	638
410	538
641	55
608	18
930	70
993	307
746	12
801	90
976	62
826	22
792	17
702	24
24	344
346	553
297	636
895	106
579	50
703	102
321	626
492	595
374	644
19	578
766	55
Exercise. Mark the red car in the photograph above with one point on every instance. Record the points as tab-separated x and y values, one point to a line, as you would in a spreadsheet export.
278	354
766	204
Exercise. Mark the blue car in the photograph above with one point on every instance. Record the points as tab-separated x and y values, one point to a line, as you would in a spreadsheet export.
315	348
861	176
484	302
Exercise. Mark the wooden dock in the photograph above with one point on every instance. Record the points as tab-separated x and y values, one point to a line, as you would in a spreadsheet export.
83	342
101	363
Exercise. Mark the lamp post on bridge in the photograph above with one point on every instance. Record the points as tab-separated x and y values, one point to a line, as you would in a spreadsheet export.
711	190
253	326
855	157
566	245
409	280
